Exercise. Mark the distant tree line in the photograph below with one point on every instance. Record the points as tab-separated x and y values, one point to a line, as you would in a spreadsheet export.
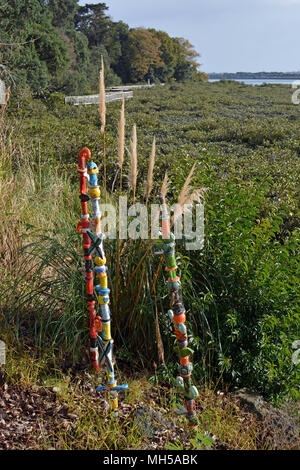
56	45
256	75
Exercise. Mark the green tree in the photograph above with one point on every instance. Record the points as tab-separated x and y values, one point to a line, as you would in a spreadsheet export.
92	21
32	51
187	52
56	45
142	53
178	56
63	12
187	65
104	38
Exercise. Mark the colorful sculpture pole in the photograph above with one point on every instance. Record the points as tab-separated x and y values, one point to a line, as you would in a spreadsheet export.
83	228
101	342
177	314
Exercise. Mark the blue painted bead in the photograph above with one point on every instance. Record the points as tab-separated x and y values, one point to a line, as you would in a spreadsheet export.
100	269
93	180
104	312
103	291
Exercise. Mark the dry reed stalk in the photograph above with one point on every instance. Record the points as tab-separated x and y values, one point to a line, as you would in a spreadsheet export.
121	138
133	161
186	187
121	149
164	188
102	112
150	171
160	346
187	196
102	99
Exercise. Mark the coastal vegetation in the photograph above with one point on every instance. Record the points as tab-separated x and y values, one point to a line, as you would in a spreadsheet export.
241	291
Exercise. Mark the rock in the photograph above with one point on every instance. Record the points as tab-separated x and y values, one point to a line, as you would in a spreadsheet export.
279	428
150	421
252	402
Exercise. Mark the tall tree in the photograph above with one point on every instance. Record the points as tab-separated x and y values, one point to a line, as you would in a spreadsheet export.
187	64
142	52
170	55
93	22
63	12
104	38
57	44
188	52
32	51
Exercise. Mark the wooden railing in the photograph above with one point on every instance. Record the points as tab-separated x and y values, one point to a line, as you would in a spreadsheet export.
94	99
130	87
113	93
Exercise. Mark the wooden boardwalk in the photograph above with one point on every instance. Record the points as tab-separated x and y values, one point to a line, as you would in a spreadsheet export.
94	99
130	87
113	94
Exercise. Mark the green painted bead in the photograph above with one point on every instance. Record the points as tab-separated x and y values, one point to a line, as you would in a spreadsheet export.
170	261
185	352
180	383
193	392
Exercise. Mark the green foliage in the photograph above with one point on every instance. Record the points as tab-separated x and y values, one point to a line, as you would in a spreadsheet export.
36	51
92	21
200	441
50	279
63	12
141	53
248	281
56	45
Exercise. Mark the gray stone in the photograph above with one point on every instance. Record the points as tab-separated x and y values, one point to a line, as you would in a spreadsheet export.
253	402
279	425
150	421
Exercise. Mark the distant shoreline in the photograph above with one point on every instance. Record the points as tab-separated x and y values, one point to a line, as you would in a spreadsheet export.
255	75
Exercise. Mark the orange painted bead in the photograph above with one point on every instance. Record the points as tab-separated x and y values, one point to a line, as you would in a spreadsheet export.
184	360
179	318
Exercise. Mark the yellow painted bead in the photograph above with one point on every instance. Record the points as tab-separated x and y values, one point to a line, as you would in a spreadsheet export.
99	261
94	192
93	171
114	404
106	331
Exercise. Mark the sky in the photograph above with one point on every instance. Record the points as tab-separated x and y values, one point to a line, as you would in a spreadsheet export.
230	35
